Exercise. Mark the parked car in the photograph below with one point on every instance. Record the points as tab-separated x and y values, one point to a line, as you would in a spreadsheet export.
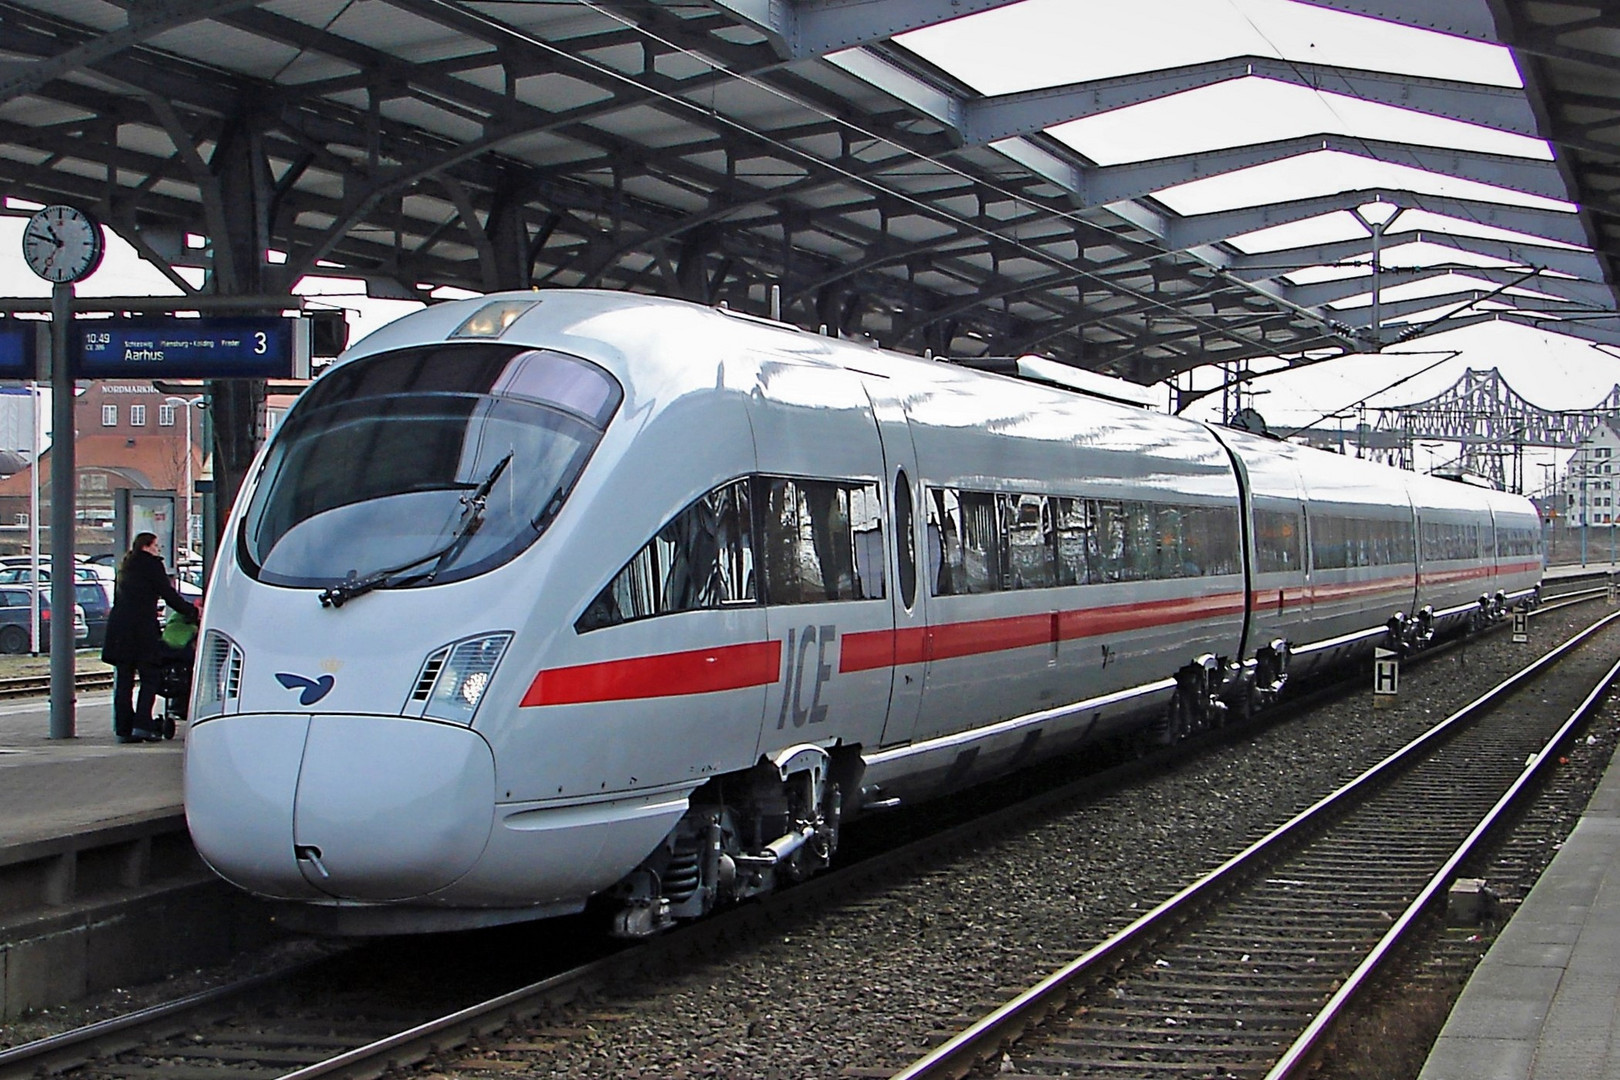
19	575
15	616
95	597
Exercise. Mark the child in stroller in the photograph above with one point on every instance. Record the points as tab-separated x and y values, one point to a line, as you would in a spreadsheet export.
174	670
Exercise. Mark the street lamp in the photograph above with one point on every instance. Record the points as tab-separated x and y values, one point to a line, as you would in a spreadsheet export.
201	400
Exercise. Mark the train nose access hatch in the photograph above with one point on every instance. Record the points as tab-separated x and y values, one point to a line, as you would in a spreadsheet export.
390	809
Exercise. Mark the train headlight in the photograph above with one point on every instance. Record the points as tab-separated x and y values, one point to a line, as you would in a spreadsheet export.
493	319
453	679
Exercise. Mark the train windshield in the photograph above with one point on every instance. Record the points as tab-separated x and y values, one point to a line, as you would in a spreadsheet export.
423	466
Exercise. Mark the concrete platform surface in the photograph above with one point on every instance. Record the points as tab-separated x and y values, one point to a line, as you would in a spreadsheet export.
1569	570
1544	1004
55	787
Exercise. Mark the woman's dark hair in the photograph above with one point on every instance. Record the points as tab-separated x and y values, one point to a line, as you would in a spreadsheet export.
139	545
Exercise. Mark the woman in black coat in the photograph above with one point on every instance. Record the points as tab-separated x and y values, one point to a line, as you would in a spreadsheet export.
134	643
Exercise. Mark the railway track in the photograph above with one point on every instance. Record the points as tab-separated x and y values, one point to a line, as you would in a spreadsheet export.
340	1018
34	685
1245	971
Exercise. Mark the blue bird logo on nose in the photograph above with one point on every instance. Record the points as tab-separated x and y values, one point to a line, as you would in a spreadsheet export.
313	689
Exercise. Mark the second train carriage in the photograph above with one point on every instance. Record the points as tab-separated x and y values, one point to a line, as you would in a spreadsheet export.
547	596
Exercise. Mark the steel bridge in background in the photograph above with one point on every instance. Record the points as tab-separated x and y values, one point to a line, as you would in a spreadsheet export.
1488	421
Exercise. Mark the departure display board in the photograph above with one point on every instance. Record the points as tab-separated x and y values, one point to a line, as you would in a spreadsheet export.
17	356
237	347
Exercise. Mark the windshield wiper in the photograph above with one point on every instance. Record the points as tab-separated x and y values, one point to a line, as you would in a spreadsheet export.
472	516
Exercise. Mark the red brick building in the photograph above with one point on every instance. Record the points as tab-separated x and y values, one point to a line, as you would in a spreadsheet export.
129	435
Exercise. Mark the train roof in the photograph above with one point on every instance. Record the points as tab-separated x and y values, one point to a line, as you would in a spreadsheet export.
616	319
647	338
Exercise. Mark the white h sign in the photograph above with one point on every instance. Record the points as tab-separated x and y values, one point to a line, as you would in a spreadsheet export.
1386	676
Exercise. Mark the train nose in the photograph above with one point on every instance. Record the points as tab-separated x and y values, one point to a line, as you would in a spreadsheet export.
355	807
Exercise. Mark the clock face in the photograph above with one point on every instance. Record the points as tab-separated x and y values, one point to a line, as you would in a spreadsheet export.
62	244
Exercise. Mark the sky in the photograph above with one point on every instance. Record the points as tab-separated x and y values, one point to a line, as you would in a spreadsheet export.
1050	42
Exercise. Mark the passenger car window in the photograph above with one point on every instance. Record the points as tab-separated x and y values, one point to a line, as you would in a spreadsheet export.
1072	520
973	542
820	540
1031	558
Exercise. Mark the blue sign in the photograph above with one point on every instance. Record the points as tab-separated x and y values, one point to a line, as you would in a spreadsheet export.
17	349
237	347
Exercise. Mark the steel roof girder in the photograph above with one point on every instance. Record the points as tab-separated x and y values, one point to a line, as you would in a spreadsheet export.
145	21
1114	182
1603	332
1462	300
988	119
1327	292
1459	18
932	101
1194	230
1268	264
803	29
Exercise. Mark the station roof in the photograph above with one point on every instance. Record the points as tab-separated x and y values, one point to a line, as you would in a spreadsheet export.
971	177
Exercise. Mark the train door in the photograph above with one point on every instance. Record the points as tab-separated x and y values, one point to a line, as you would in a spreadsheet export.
1307	598
908	597
822	524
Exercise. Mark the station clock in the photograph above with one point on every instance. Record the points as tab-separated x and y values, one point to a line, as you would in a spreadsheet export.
62	244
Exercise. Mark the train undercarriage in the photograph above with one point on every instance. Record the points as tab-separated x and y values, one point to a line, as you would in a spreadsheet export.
744	835
748	833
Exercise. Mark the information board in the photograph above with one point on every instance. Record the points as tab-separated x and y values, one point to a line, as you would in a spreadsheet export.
238	347
136	511
17	356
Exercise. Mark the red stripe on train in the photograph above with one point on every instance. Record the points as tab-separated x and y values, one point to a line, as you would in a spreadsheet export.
735	667
865	650
699	671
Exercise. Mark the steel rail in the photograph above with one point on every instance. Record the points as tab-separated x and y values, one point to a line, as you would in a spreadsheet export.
981	1039
30	685
31	1058
1298	1056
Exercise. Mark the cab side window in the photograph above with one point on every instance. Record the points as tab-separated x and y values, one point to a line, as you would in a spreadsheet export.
703	558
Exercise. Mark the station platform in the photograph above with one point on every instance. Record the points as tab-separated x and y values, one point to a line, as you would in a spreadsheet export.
94	854
1576	570
1544	1004
55	787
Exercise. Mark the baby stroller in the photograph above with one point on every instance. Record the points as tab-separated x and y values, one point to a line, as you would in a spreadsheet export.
174	670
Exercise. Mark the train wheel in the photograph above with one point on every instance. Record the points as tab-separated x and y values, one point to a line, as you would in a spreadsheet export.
1250	701
1177	722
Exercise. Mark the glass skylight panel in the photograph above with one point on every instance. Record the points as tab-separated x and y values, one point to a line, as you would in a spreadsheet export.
1245	111
1414	220
1323	229
1394	291
1052	42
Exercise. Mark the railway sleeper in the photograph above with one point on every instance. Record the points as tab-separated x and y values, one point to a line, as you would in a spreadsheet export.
743	835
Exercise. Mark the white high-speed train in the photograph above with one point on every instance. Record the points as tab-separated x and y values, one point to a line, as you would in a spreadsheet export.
548	597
